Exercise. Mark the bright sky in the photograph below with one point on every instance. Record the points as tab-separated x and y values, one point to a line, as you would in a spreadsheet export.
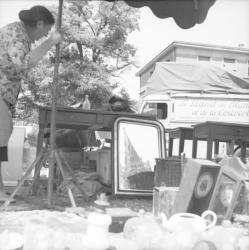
227	23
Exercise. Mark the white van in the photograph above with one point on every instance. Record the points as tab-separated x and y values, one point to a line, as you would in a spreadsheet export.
184	94
184	110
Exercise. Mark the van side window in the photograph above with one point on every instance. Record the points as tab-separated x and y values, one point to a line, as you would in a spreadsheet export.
162	110
158	110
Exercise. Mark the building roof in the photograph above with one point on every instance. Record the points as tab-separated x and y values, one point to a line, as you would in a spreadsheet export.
175	44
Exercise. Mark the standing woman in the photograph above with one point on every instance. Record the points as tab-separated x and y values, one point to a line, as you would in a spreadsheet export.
16	58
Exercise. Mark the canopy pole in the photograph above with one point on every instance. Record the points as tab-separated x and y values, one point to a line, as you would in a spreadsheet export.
53	112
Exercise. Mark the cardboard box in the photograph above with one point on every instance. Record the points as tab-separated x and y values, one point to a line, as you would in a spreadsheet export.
100	160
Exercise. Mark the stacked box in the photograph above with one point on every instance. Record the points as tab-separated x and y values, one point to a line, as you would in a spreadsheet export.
168	172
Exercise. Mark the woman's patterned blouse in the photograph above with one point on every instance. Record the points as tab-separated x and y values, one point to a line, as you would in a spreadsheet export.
14	60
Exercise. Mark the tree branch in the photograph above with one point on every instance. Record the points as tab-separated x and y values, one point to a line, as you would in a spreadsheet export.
80	51
84	16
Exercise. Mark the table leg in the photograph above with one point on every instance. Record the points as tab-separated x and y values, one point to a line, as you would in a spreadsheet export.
171	140
216	147
181	145
209	148
243	151
194	149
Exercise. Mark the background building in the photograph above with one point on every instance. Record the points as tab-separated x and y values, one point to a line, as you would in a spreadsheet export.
235	59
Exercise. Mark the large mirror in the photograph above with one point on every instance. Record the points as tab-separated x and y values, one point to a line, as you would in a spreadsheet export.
136	146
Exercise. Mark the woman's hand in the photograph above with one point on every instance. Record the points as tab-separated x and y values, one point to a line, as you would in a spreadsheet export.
56	37
36	54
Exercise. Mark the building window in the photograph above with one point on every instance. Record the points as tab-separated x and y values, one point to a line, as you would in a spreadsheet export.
230	64
204	58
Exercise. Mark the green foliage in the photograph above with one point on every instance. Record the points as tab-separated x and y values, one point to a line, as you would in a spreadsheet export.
94	53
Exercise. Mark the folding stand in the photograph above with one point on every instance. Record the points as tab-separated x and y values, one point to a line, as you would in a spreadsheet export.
51	153
65	171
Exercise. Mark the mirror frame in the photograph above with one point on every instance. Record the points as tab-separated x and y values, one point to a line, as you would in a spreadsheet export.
162	154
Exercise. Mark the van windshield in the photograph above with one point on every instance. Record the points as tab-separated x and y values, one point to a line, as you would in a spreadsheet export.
158	110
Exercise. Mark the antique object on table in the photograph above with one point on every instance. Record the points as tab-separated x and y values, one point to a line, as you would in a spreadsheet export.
242	203
96	236
163	200
136	146
226	236
145	231
193	222
234	165
119	217
196	186
229	194
168	172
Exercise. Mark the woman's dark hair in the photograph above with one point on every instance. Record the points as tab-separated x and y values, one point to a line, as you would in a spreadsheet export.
37	13
119	104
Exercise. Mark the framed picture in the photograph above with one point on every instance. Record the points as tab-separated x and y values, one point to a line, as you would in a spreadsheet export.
242	203
197	186
226	193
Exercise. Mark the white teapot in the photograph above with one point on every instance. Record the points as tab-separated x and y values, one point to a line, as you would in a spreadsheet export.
189	221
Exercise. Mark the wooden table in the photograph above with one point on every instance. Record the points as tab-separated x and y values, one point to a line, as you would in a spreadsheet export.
71	118
181	133
220	132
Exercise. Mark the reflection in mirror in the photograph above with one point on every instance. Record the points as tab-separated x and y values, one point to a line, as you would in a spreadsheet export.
138	146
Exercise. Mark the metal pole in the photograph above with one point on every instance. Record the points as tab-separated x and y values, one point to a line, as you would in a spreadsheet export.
53	112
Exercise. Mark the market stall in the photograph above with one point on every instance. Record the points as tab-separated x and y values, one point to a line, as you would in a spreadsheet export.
109	223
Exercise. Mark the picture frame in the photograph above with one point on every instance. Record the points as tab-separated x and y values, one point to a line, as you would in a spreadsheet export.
226	193
197	186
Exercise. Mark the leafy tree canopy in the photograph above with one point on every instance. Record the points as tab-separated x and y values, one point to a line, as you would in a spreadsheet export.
94	53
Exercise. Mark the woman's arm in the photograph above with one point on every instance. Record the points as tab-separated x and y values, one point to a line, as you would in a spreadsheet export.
21	56
38	53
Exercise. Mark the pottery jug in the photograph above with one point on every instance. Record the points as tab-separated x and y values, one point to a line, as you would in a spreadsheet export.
190	221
